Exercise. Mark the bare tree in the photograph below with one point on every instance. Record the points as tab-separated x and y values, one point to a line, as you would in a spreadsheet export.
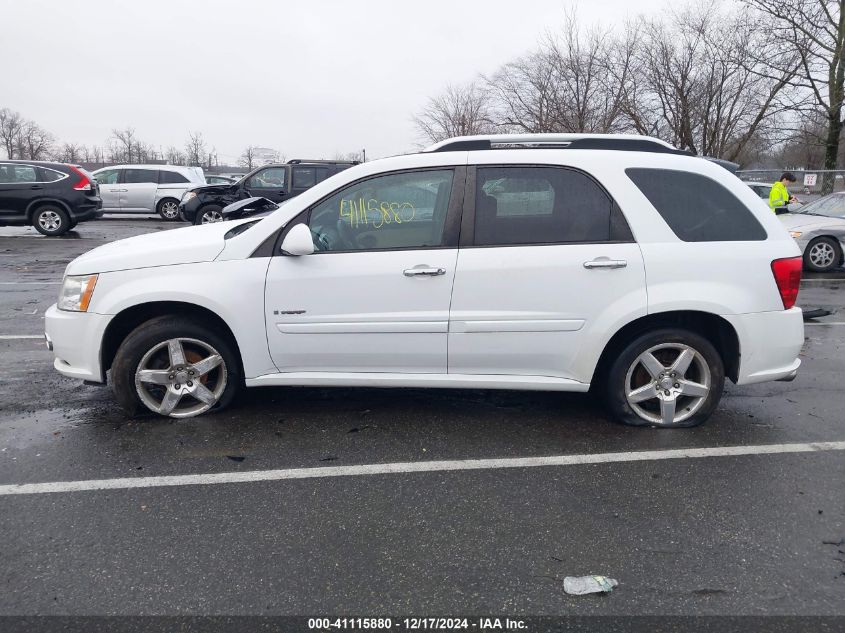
350	156
174	156
69	153
459	111
814	30
33	142
124	145
699	84
247	158
195	152
11	123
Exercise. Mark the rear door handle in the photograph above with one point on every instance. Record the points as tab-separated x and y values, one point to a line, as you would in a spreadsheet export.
36	187
423	271
602	262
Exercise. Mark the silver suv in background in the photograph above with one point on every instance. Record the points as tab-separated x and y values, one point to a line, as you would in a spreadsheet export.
146	188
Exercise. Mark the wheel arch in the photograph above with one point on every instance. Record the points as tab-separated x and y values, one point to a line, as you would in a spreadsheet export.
33	206
131	317
711	326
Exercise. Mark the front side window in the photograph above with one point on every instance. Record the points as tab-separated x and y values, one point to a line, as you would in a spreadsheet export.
138	176
543	205
697	208
107	177
270	178
396	211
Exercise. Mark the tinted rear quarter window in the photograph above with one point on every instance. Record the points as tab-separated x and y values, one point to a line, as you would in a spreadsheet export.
170	177
697	208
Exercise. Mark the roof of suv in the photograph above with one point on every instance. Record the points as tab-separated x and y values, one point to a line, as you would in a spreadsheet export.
43	163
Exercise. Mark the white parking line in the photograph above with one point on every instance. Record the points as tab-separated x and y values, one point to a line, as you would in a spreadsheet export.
827	323
411	467
30	283
16	337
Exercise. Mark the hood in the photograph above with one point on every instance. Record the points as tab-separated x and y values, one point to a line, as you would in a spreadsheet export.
165	248
210	188
794	221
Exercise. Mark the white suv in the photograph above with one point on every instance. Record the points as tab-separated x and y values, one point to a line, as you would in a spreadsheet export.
146	188
534	262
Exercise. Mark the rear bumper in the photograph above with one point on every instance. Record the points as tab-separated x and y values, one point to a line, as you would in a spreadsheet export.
769	344
75	339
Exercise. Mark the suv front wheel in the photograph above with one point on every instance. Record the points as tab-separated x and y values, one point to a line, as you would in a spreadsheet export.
208	214
665	378
176	368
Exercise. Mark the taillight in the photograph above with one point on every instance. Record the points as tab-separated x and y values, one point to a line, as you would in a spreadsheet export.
84	183
787	272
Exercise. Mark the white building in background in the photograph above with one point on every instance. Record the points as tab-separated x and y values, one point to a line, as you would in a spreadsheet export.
265	156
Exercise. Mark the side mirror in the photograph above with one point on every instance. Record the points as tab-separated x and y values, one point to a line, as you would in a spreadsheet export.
298	241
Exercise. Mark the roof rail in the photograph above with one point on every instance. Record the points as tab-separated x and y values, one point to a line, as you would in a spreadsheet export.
618	142
297	161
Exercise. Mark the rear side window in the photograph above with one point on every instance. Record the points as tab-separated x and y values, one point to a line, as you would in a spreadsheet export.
170	177
696	208
137	176
304	177
543	205
50	175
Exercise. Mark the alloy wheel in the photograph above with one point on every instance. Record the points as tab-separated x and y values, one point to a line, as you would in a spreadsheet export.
49	220
822	255
209	217
181	377
170	210
667	384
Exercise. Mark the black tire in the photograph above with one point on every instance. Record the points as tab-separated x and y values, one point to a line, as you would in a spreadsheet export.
51	220
168	209
616	380
153	333
207	210
826	247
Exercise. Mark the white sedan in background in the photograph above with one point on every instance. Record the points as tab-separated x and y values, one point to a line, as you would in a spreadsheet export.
819	230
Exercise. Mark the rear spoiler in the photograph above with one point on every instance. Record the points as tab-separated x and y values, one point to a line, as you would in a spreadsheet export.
248	206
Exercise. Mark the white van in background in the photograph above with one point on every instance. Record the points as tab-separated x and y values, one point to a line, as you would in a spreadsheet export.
146	188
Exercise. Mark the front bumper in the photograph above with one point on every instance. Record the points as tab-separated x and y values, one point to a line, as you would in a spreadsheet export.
76	338
769	344
188	210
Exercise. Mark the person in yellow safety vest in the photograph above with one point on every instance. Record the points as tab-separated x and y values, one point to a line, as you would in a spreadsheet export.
779	196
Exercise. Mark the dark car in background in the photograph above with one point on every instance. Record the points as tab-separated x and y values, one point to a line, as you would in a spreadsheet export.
52	197
276	182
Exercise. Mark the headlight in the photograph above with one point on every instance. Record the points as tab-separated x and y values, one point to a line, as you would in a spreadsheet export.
188	195
76	292
795	234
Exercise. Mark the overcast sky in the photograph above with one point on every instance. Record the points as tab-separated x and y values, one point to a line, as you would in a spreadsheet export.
307	78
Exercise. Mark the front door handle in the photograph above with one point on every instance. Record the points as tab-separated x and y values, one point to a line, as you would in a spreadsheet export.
603	262
423	271
36	187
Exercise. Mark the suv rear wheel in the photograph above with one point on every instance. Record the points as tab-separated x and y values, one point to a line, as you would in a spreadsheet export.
209	214
51	220
168	209
665	378
174	367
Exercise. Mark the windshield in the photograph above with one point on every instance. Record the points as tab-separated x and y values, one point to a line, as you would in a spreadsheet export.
832	206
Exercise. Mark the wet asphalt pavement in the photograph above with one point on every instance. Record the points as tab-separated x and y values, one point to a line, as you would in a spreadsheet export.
755	534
